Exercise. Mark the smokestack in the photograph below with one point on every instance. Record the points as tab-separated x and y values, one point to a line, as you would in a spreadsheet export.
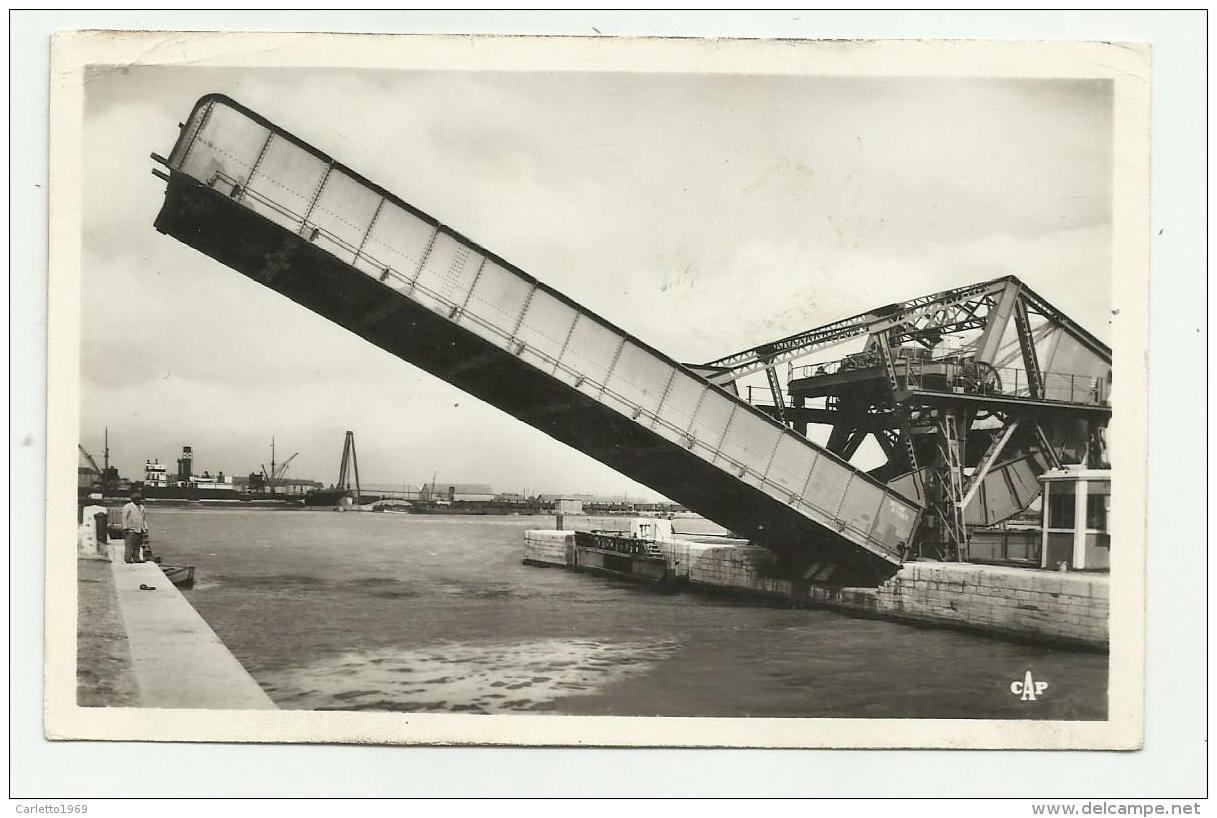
185	464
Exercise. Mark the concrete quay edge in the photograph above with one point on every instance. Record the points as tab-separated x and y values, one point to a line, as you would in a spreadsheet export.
177	659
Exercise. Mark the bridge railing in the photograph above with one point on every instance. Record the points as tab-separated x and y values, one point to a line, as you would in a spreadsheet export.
960	375
303	191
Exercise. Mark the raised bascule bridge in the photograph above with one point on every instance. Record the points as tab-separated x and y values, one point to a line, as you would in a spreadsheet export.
965	434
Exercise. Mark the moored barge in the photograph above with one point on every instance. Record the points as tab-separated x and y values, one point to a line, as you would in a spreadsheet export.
635	555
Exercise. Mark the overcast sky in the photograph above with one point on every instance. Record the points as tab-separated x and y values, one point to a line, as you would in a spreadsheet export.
704	214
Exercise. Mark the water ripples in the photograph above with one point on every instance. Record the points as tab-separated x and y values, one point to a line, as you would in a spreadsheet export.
484	678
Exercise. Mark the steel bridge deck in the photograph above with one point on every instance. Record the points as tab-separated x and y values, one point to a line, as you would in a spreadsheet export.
263	202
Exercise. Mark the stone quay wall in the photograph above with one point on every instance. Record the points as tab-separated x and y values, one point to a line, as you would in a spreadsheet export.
1041	606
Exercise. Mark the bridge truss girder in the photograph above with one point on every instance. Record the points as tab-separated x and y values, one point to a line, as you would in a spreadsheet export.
921	320
933	431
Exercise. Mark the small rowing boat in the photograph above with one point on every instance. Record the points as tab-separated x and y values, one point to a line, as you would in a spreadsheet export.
180	575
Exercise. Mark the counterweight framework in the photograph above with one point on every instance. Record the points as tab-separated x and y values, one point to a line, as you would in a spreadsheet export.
970	393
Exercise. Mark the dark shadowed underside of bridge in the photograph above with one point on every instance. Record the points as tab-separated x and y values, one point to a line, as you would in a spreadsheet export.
266	204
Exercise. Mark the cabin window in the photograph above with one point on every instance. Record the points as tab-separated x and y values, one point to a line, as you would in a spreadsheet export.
1097	507
1060	508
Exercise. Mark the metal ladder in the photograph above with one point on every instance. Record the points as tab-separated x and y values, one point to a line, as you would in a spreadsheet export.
952	512
904	422
779	401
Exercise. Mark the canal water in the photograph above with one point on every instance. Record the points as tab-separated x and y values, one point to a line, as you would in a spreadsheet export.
401	612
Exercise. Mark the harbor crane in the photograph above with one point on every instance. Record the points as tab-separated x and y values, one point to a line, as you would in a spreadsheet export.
349	467
105	475
276	473
92	463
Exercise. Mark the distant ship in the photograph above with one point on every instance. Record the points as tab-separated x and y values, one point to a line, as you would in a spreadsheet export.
333	497
476	507
475	498
157	484
185	485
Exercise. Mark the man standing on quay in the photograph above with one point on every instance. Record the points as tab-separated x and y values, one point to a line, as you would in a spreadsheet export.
134	528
